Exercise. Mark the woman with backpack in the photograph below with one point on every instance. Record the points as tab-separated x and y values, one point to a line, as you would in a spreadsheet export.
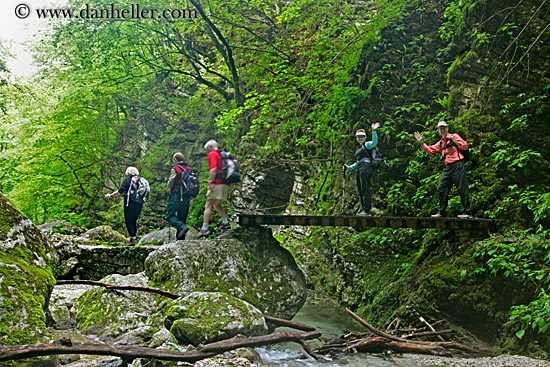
454	151
134	197
364	167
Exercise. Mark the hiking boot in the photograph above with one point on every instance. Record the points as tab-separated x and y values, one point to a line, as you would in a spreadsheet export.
133	241
362	213
465	215
203	233
437	215
225	227
181	233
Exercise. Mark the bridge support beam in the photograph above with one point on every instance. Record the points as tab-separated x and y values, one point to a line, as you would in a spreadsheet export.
457	224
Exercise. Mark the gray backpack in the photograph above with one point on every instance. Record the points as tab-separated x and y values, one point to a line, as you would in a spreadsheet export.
138	191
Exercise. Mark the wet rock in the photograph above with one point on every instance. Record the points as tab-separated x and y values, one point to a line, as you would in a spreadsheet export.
248	264
201	318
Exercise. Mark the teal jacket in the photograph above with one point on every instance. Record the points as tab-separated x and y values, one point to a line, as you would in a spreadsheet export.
369	145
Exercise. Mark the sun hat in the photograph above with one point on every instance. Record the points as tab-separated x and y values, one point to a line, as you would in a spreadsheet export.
360	132
442	123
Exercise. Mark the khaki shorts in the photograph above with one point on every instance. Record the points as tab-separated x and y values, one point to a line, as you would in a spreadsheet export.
219	193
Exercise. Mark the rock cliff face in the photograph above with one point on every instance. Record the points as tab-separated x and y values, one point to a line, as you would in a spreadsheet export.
27	260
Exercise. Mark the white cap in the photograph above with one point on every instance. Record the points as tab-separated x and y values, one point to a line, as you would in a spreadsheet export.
442	123
360	133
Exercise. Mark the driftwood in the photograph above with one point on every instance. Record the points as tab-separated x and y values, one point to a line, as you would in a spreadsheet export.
431	327
129	353
432	346
275	321
122	287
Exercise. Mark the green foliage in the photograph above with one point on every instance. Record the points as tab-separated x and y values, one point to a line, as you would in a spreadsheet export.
526	256
535	315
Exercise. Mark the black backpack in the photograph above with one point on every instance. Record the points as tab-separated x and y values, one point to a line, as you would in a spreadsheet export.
465	153
231	170
188	183
377	161
139	190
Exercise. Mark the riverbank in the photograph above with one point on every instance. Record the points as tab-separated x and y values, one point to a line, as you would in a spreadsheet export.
415	360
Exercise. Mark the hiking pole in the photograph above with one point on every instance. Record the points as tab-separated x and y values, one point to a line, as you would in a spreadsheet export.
343	189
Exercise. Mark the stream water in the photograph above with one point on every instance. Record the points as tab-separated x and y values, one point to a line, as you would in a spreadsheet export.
332	320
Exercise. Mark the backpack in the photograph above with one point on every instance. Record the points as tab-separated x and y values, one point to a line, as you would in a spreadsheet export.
378	162
188	183
464	153
231	170
139	190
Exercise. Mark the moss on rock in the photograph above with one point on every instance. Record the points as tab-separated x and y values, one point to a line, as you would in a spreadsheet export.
208	317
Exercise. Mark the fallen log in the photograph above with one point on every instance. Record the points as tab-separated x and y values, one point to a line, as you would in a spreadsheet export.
447	345
426	333
121	287
275	321
129	353
379	344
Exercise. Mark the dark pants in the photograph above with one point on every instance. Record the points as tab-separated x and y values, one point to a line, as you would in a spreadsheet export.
132	212
453	174
177	209
364	173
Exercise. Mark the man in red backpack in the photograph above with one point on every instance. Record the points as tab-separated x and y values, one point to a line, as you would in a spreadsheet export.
217	190
451	147
177	204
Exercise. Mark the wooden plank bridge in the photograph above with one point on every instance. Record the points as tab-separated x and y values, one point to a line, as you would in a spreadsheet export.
474	224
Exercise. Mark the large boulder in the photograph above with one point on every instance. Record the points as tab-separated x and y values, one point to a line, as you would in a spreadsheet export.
27	260
127	317
202	317
249	264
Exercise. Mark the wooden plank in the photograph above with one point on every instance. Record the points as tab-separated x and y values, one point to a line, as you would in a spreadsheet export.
367	221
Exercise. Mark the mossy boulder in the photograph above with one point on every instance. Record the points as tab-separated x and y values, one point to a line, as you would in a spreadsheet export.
27	261
248	264
104	234
119	316
203	317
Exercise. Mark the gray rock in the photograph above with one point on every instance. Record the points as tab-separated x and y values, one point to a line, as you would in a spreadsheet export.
164	236
250	265
160	337
201	318
104	234
119	316
61	304
60	226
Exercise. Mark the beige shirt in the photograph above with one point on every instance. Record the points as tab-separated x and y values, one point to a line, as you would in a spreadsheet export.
172	179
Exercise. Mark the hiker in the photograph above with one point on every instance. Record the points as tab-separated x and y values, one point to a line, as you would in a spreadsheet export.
217	190
177	204
132	209
364	167
451	147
